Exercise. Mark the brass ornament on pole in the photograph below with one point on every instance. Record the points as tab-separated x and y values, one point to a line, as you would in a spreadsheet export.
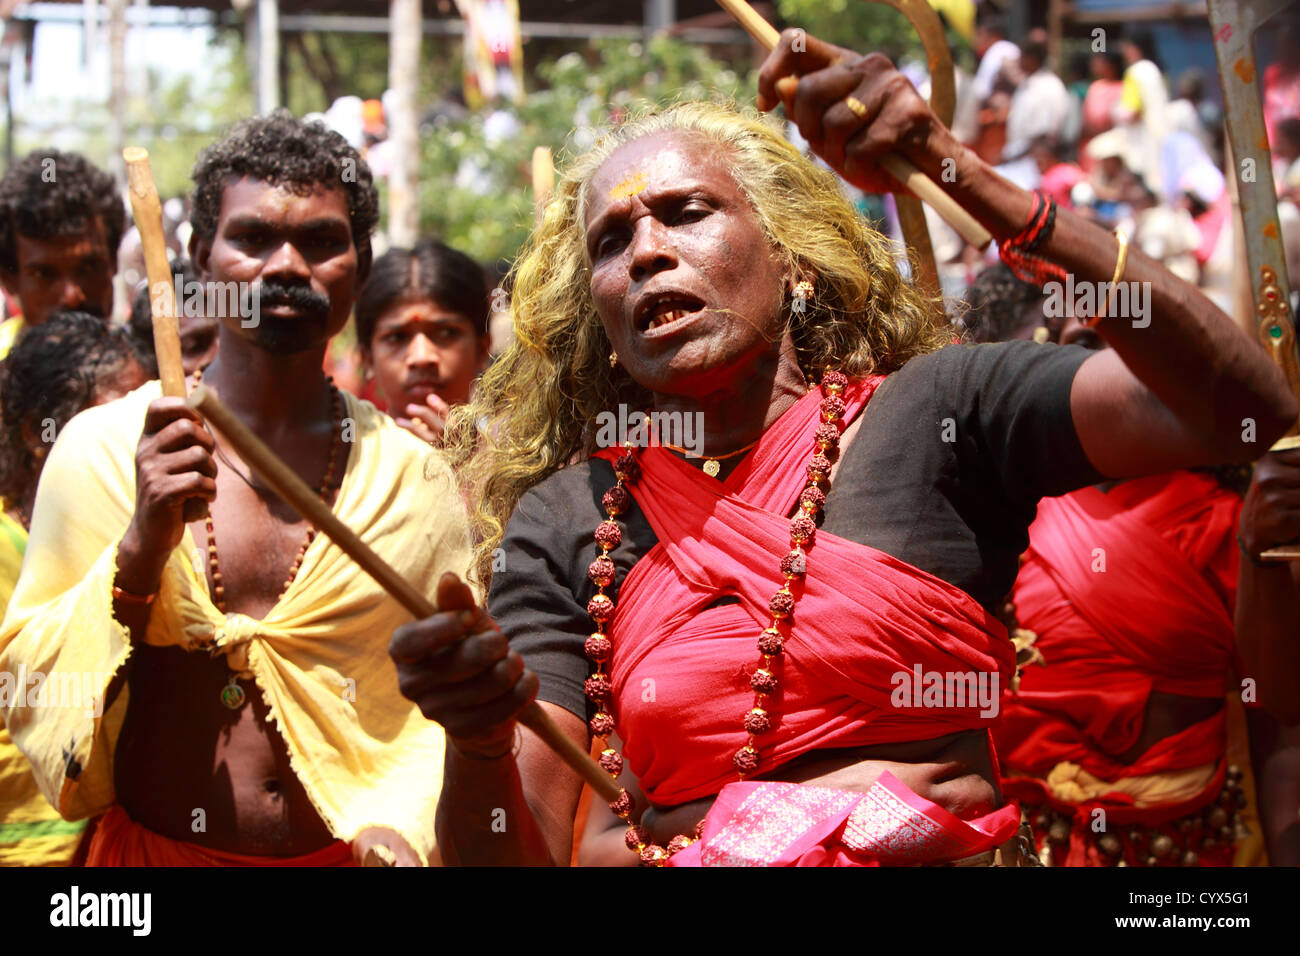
1233	24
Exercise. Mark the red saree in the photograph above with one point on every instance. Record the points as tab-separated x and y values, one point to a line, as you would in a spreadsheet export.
1129	592
680	668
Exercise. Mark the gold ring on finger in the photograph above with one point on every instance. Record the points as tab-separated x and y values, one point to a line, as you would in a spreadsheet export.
857	106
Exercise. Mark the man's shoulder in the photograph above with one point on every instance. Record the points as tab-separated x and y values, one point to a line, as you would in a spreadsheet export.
385	448
371	426
111	424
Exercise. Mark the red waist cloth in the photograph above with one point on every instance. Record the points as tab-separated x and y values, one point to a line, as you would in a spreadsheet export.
862	618
786	824
1129	592
120	841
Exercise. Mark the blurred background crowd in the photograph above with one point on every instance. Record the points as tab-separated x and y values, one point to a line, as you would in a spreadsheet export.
1114	109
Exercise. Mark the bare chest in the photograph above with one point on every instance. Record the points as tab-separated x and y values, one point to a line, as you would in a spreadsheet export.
252	547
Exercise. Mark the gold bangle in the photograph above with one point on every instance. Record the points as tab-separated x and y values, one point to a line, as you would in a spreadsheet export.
1120	261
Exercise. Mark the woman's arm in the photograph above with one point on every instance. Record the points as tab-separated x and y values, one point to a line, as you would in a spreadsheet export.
498	806
512	810
603	838
1182	386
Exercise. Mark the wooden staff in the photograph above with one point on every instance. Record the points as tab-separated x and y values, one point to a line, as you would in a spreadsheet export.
148	219
543	179
902	170
307	503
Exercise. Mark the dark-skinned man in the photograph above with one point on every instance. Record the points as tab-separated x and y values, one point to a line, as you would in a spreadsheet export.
61	220
254	717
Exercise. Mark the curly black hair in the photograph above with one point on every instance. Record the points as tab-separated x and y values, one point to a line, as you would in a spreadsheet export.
51	374
50	193
996	305
282	150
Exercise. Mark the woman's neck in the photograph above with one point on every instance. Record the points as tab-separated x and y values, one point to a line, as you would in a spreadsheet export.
737	414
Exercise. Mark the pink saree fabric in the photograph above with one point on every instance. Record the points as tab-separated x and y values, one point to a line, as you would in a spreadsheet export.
786	824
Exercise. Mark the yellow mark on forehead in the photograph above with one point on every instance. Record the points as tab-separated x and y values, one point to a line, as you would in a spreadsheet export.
629	187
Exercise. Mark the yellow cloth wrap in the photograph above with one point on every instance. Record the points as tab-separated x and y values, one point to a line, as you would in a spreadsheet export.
363	753
1072	784
1130	95
31	831
13	542
9	330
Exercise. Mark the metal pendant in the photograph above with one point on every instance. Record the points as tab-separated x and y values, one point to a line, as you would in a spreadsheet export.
232	695
711	467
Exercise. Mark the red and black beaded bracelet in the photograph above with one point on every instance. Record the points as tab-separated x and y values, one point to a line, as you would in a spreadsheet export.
1019	251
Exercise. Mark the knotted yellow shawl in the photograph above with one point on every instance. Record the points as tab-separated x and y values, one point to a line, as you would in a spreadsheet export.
31	832
364	754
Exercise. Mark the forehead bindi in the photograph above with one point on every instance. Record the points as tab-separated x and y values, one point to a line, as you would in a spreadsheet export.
639	172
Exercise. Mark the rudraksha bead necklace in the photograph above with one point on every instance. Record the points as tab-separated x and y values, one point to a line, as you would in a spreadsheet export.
599	647
232	695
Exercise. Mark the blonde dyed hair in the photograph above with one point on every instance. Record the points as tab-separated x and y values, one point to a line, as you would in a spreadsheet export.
534	409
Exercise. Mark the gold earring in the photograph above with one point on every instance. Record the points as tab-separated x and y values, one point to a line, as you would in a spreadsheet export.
613	359
803	291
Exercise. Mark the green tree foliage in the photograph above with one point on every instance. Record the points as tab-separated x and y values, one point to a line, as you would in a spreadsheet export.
172	119
476	191
854	24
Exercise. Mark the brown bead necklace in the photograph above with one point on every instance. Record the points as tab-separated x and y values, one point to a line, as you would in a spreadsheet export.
794	564
232	695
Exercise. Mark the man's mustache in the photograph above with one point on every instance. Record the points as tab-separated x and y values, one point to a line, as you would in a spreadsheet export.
301	297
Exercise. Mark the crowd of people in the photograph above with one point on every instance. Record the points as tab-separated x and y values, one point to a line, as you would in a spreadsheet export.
1116	139
921	593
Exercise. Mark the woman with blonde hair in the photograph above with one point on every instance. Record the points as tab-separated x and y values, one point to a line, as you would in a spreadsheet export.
781	599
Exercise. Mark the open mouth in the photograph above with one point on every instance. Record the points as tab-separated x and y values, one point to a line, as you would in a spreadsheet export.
664	310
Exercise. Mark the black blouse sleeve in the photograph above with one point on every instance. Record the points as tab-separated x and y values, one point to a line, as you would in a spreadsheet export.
540	588
1011	405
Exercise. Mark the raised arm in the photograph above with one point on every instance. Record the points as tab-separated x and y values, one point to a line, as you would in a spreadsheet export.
1182	385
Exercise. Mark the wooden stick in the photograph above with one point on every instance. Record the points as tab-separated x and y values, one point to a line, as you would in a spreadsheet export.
543	179
920	184
148	219
307	503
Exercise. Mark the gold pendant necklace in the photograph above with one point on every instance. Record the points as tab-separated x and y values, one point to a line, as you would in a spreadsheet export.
712	464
